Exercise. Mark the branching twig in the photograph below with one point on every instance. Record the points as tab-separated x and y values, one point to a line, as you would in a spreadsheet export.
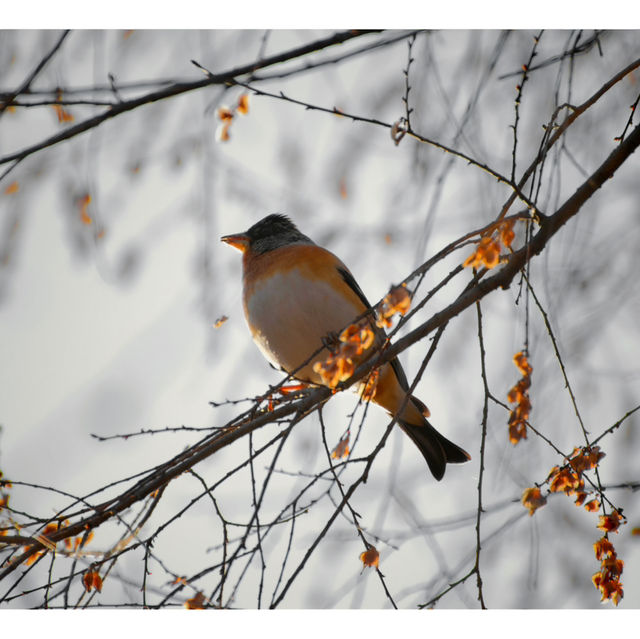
407	86
8	100
179	88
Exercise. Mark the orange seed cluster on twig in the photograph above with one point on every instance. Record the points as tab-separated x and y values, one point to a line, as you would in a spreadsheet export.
568	478
339	366
487	252
398	300
341	449
607	579
519	395
91	580
533	499
359	337
226	115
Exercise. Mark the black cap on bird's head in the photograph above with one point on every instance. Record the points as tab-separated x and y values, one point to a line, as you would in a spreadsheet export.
269	233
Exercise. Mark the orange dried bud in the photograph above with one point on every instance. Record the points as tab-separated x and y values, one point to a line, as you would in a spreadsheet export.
489	252
514	394
613	565
12	188
635	532
195	603
507	234
517	431
225	114
220	321
609	523
472	260
583	459
360	335
564	480
533	499
603	548
224	132
339	367
34	557
519	395
335	370
243	104
486	254
611	588
580	499
522	364
97	582
594	456
370	557
92	579
83	205
341	449
607	580
592	506
398	300
87	580
62	113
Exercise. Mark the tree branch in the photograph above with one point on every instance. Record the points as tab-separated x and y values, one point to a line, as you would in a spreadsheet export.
179	88
34	74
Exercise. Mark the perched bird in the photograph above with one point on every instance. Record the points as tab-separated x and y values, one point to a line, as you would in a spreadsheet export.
295	295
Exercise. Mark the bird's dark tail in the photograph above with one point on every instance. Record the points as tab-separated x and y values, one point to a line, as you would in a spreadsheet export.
435	448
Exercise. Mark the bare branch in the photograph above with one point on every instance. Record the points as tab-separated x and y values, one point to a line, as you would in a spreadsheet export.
24	87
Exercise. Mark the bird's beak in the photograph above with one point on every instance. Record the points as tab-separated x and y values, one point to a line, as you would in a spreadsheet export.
238	240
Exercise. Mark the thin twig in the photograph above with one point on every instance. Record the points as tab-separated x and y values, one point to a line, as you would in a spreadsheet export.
520	88
485	415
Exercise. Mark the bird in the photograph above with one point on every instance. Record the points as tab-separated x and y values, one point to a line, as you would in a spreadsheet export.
296	295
